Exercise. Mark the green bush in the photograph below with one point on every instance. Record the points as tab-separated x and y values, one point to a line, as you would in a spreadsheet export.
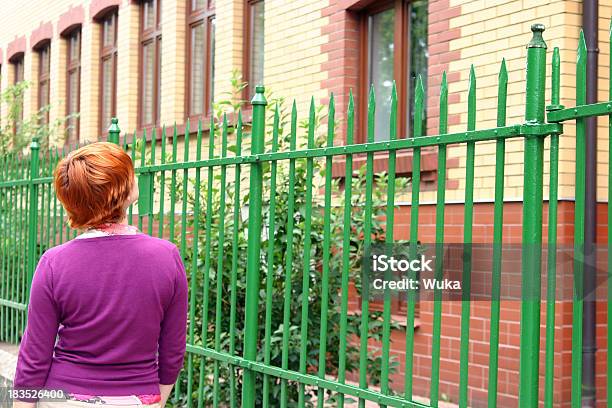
282	238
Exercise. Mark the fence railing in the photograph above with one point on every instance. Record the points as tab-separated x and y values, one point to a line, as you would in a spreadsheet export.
272	268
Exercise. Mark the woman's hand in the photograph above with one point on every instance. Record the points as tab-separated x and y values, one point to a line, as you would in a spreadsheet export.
164	390
22	404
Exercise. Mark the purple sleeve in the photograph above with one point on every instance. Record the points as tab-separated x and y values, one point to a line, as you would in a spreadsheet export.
37	344
172	339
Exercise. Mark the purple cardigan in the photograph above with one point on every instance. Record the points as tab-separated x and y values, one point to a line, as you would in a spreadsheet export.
118	306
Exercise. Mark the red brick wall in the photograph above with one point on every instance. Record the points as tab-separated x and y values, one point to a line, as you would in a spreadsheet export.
509	350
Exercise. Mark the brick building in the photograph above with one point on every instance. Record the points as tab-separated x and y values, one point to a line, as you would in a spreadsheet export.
155	62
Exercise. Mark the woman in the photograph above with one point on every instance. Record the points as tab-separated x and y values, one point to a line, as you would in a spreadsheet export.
115	298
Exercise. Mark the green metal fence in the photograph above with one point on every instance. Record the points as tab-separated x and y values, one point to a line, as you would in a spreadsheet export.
269	265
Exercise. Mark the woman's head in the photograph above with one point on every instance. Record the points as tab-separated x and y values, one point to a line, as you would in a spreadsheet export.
95	184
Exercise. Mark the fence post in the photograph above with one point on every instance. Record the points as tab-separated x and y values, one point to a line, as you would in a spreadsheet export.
113	131
32	215
251	324
532	222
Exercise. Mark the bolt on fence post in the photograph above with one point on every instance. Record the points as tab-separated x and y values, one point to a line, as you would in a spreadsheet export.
113	131
32	214
532	222
251	323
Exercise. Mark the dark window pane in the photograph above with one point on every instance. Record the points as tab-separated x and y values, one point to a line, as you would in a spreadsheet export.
148	82
211	45
107	92
108	31
148	14
19	70
197	69
75	47
418	56
380	67
198	4
44	55
256	63
73	103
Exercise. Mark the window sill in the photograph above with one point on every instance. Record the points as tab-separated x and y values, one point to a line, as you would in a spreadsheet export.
429	164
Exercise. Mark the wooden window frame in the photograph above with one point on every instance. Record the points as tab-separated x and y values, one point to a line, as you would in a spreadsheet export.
44	78
401	67
106	53
247	45
195	16
73	66
149	36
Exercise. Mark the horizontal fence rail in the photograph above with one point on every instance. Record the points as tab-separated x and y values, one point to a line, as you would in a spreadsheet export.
279	311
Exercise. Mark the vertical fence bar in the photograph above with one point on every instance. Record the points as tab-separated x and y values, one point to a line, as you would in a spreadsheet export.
220	254
3	243
33	214
307	255
194	264
439	271
234	273
12	264
468	217
367	239
4	247
578	296
41	203
326	251
207	239
346	249
389	225
251	321
151	197
551	270
133	156
162	184
23	212
55	202
417	131
498	228
289	258
532	223
270	260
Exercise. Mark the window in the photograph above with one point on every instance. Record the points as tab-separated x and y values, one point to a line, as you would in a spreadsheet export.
73	72
108	70
18	76
254	46
201	57
150	43
394	35
44	70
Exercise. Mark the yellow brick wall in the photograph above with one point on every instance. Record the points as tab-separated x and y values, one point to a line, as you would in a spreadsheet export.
293	51
492	30
17	19
90	85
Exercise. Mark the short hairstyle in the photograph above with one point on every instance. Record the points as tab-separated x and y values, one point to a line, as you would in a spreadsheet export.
93	184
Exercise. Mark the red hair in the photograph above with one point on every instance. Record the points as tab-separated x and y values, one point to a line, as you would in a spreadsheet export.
93	184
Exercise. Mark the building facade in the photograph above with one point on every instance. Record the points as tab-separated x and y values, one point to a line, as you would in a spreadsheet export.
162	62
